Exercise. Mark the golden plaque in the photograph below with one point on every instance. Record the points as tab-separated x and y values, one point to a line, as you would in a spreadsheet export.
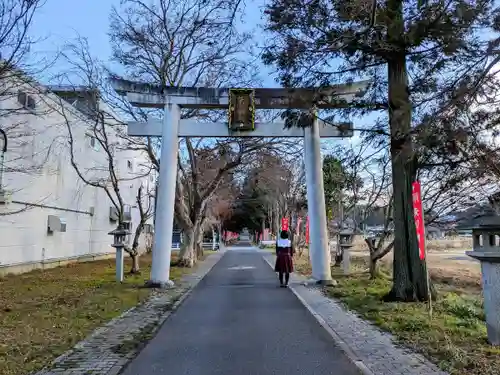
241	109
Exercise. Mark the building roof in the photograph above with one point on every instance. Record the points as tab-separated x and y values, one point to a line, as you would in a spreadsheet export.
83	98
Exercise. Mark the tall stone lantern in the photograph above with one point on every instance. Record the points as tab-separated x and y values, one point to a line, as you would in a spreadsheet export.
120	235
486	249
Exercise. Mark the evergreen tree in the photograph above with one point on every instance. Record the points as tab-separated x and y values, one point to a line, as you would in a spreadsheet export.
425	61
250	208
334	180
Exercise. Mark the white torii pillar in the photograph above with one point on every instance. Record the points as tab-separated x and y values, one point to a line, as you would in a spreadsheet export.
162	243
319	252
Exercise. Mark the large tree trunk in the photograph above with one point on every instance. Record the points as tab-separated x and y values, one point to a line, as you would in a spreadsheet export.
373	269
199	232
135	263
187	254
409	274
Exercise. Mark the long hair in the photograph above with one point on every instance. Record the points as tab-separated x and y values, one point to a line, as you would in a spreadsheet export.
284	235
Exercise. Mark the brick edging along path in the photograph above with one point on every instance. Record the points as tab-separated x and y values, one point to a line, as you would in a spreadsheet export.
371	349
108	349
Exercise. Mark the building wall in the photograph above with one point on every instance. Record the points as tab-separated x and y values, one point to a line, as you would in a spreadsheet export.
42	182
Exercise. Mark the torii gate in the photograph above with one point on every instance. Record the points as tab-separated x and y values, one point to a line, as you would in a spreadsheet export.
172	99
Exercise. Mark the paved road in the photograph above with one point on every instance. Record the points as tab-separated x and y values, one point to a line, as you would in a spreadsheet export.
238	321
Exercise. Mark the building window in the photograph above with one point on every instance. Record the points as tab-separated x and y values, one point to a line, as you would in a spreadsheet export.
21	98
31	102
27	101
93	142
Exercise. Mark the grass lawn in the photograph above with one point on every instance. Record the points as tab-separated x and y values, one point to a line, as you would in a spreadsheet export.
45	313
455	338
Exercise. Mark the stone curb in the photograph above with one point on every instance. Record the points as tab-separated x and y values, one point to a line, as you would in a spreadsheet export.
187	283
346	349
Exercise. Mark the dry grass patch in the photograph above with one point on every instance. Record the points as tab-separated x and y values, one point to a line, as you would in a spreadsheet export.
455	338
45	313
453	268
443	244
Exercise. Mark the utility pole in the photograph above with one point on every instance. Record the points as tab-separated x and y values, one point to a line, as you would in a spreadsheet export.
3	150
338	258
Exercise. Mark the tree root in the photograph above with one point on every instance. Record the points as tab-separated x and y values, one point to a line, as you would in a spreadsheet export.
185	263
392	296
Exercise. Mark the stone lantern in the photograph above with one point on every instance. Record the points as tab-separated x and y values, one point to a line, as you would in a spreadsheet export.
486	249
120	236
344	245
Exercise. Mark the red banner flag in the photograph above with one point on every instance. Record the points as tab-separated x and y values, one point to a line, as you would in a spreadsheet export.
418	215
284	224
307	230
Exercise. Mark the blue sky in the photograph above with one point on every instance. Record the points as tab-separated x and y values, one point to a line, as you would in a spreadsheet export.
60	21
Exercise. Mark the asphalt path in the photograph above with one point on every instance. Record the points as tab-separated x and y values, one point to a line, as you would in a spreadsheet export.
238	321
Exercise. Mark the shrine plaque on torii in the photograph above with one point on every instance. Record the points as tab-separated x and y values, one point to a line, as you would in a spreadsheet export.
151	96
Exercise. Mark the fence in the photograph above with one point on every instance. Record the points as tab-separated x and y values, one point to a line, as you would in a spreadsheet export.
205	245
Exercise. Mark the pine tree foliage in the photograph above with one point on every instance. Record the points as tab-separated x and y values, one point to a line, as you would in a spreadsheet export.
431	68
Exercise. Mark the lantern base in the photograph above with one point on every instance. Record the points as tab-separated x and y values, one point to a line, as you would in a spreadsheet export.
164	285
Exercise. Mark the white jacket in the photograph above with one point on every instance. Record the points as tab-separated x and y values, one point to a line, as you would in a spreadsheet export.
284	243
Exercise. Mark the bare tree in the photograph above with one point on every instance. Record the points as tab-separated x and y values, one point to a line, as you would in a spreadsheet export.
377	245
145	204
277	178
108	176
179	42
220	206
200	176
366	187
98	110
18	96
16	17
193	43
16	69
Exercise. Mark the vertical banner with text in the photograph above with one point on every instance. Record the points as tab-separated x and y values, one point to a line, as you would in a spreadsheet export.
419	218
307	230
284	224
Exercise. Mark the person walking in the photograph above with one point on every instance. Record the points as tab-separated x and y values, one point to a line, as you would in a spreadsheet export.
284	258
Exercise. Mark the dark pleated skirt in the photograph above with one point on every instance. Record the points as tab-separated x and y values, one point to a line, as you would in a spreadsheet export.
284	263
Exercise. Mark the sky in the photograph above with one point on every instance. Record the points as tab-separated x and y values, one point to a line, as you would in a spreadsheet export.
60	21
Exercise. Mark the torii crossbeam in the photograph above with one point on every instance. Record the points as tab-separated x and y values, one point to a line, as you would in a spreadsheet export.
172	99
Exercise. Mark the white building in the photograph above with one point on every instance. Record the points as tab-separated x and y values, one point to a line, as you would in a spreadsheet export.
49	215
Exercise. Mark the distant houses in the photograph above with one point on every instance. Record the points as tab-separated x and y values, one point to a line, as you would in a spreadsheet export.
454	223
